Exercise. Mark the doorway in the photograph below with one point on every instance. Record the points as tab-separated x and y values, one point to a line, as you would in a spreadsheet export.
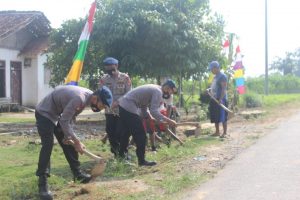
2	79
16	82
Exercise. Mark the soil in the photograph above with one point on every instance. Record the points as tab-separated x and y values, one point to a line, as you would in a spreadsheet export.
243	131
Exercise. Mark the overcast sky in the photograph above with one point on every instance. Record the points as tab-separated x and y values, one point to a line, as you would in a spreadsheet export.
245	18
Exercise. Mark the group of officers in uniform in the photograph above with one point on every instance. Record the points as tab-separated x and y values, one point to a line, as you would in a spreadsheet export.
124	110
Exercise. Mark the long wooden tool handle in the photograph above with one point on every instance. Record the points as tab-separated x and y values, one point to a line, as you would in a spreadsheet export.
91	155
187	124
220	104
175	136
88	153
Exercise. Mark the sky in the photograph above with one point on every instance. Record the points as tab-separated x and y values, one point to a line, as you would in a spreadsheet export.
245	18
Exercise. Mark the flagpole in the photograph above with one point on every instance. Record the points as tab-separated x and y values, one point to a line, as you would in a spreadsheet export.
73	76
266	50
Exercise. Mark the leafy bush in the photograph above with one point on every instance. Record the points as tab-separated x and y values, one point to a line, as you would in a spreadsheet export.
252	100
202	112
278	84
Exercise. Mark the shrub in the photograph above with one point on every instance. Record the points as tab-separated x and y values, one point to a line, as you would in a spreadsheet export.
202	112
278	84
252	100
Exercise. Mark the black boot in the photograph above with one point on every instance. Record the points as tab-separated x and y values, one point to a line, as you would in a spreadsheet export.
44	192
82	177
146	163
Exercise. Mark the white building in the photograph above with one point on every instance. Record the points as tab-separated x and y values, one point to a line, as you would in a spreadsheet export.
23	41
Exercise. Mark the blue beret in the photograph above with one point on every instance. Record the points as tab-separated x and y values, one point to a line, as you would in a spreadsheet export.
214	64
110	61
105	95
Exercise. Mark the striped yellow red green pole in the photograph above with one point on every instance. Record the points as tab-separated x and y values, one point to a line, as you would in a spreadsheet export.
75	71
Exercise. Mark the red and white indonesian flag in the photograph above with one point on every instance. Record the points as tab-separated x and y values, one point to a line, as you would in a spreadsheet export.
226	46
75	71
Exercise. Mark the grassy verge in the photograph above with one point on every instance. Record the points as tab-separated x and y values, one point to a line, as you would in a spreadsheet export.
274	100
18	120
18	163
254	100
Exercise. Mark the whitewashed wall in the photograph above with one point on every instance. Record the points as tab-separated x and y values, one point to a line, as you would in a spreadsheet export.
29	84
35	86
43	88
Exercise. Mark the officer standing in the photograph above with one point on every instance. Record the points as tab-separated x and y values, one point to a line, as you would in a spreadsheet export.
119	83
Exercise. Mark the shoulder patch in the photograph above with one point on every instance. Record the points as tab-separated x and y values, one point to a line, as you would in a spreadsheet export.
126	78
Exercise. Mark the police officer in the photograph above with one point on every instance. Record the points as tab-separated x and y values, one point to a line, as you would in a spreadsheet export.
141	98
119	83
54	116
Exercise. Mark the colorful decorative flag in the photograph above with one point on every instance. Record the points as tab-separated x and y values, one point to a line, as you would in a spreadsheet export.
226	46
210	78
239	71
75	71
226	43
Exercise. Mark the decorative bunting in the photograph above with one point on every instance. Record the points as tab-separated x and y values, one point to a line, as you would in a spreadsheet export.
239	71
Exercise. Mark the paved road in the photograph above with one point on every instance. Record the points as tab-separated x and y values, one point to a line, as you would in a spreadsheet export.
268	170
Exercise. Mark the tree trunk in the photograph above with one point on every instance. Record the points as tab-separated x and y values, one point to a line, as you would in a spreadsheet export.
181	100
158	80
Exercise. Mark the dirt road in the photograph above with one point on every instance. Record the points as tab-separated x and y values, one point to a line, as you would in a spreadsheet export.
270	169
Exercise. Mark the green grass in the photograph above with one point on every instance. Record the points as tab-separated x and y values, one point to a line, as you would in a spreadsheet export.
174	178
17	167
274	100
18	120
18	163
271	100
173	184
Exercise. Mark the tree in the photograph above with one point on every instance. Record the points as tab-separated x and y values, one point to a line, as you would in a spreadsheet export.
64	44
161	37
288	65
150	38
